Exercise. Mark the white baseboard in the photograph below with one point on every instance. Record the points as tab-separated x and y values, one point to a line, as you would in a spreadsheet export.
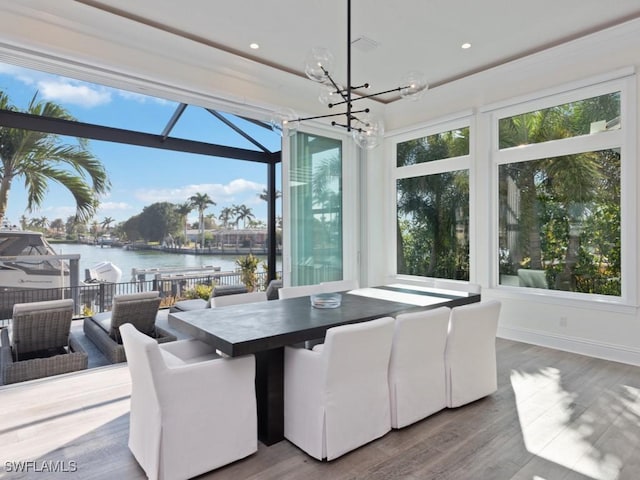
616	353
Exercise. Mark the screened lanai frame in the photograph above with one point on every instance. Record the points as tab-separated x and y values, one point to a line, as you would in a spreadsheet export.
164	141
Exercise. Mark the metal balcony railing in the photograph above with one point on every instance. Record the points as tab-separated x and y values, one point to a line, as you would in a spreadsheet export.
97	297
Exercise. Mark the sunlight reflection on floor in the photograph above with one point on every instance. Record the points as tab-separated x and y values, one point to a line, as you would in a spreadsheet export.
574	432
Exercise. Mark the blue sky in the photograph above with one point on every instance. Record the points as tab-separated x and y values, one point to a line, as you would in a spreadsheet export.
141	176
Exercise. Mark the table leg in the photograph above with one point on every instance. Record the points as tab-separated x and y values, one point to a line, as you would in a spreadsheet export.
270	395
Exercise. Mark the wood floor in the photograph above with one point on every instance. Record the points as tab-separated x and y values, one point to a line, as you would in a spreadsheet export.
555	416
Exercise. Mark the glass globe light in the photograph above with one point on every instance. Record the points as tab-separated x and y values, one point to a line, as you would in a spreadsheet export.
317	59
284	122
414	84
367	131
329	94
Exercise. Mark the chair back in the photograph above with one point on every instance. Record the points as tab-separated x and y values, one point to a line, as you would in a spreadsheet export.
223	290
272	289
470	354
416	368
458	286
41	325
143	359
299	291
339	286
139	309
238	299
356	389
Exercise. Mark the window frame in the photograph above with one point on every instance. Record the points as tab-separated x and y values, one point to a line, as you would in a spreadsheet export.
452	164
350	201
622	138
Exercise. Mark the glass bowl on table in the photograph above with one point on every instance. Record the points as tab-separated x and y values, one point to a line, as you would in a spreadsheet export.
326	300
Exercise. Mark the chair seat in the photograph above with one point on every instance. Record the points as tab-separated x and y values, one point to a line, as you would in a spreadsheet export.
185	352
68	360
139	309
103	320
188	305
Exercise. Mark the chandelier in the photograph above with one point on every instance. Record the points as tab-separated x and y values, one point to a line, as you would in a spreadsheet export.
366	130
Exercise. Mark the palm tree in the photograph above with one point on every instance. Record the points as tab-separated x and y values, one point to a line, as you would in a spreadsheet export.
184	209
201	201
106	223
225	216
38	157
243	213
265	194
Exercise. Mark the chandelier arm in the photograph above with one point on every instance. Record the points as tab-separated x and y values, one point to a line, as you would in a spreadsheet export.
366	110
397	89
335	85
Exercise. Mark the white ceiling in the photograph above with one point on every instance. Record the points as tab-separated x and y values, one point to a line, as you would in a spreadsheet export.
201	47
424	35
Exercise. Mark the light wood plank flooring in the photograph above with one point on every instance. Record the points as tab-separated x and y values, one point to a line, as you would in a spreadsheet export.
556	415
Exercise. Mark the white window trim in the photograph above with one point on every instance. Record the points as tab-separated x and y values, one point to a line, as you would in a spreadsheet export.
623	138
396	173
350	202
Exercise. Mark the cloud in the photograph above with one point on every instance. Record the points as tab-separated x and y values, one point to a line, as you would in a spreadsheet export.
74	93
60	89
236	191
141	98
115	206
22	74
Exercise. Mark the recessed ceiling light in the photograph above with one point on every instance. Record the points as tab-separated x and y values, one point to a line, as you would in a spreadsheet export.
254	46
465	46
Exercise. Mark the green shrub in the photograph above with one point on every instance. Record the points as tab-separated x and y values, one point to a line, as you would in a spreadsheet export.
199	291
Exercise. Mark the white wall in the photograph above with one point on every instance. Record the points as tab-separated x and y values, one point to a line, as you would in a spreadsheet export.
593	328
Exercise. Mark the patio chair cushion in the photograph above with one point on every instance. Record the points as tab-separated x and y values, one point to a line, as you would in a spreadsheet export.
188	305
137	308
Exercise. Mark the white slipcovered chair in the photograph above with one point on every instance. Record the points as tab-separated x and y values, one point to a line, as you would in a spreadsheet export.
338	286
336	397
299	291
416	369
470	355
238	299
191	411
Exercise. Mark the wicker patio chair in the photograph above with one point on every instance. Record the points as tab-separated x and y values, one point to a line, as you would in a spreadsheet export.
41	344
139	309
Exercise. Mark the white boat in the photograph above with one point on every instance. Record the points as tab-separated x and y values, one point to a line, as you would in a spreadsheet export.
28	261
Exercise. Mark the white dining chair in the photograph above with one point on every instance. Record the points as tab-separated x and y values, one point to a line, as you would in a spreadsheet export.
191	411
457	286
238	299
470	354
299	291
336	397
338	286
416	369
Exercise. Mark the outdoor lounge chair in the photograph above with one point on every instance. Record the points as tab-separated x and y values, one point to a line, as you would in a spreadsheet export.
139	309
41	344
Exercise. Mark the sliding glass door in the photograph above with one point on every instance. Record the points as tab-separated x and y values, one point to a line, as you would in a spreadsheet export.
315	209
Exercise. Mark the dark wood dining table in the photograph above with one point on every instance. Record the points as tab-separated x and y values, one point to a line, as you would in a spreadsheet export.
265	328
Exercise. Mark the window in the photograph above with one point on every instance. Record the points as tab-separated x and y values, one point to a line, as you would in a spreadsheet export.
560	185
432	192
316	213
